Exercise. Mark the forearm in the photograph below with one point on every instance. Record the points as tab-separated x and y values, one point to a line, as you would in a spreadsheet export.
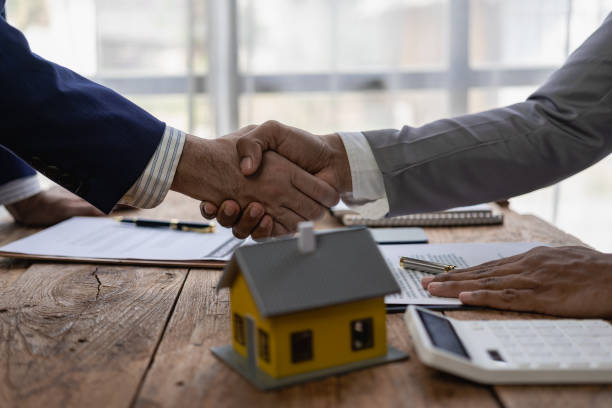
561	129
82	135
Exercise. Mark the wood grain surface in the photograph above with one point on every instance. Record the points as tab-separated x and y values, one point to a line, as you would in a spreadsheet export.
104	336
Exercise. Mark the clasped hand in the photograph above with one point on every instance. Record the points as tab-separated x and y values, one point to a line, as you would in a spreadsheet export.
264	180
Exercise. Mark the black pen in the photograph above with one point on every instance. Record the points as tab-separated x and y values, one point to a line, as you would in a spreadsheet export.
172	224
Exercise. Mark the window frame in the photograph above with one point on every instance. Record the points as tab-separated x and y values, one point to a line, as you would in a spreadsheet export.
300	339
263	345
367	328
239	329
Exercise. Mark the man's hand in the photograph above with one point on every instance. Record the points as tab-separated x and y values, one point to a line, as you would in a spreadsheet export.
323	156
50	207
565	281
209	171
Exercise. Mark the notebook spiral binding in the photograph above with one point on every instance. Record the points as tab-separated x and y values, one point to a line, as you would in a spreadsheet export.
438	219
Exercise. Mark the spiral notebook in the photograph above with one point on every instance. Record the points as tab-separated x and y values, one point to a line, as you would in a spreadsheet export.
480	214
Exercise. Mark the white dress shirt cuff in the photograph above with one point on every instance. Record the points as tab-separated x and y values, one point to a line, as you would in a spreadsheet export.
153	184
19	189
368	198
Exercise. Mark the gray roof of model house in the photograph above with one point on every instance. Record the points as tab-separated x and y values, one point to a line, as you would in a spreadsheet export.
346	266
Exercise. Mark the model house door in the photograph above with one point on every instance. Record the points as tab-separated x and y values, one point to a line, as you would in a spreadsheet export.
250	343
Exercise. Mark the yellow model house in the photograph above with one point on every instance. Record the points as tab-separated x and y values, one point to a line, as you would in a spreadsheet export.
307	307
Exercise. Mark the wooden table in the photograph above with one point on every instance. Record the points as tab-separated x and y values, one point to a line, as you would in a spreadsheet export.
104	336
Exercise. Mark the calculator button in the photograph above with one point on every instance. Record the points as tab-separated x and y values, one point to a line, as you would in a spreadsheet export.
590	345
567	324
500	333
596	324
560	344
545	323
549	331
533	347
596	355
576	332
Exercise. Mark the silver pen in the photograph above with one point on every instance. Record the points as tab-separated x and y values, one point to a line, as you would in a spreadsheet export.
425	266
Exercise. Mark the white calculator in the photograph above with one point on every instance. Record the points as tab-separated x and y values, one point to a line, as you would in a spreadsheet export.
514	351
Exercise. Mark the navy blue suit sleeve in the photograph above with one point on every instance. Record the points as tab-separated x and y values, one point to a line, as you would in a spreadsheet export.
12	167
80	134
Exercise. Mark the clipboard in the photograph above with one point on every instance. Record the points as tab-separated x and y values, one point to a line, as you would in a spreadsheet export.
106	241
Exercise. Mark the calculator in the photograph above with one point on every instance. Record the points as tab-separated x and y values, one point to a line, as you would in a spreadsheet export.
535	351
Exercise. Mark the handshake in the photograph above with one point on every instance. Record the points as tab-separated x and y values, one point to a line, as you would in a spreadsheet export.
264	180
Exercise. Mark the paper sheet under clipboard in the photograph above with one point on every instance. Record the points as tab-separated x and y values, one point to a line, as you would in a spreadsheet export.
462	255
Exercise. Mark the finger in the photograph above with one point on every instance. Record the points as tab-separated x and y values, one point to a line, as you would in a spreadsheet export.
264	229
208	210
288	219
279	229
251	146
249	220
426	280
508	299
471	272
496	262
305	207
454	288
229	213
314	188
246	129
506	269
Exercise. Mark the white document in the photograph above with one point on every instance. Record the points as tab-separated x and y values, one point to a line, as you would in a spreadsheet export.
106	238
461	255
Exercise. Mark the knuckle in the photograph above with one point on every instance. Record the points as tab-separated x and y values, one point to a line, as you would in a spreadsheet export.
272	124
509	295
488	282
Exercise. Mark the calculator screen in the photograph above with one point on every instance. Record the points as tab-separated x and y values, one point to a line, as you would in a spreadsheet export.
442	334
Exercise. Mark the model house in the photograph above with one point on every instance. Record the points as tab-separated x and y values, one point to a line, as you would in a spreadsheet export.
307	307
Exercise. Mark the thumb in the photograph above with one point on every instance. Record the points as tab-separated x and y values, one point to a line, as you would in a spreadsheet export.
251	146
249	152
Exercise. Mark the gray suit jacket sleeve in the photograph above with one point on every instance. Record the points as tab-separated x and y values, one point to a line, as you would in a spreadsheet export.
564	127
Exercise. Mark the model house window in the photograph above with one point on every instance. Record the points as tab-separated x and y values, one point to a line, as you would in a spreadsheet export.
301	346
239	335
362	334
263	345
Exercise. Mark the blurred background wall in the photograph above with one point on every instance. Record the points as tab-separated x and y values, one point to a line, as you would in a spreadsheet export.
210	66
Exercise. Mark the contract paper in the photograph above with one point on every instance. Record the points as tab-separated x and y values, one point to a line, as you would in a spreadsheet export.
106	238
461	255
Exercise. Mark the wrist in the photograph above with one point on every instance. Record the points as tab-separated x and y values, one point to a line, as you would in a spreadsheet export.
19	210
204	168
188	180
340	163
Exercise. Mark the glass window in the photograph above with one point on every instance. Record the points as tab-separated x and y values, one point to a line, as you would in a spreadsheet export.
345	110
301	346
239	329
263	345
322	35
517	33
362	334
